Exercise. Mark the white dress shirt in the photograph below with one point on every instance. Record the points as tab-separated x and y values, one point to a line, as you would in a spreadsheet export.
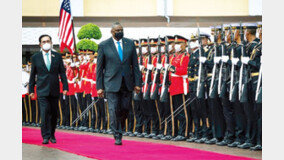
44	57
115	43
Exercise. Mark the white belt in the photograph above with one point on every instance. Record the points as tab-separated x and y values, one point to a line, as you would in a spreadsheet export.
184	77
150	66
93	82
159	65
88	80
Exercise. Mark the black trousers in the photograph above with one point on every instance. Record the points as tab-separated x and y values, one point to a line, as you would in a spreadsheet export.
147	115
119	104
80	102
62	107
181	129
48	110
25	114
166	116
130	119
218	119
229	114
138	115
99	119
87	100
258	111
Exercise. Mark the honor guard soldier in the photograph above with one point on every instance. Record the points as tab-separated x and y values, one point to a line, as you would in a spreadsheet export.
25	81
251	63
254	63
178	88
137	103
167	103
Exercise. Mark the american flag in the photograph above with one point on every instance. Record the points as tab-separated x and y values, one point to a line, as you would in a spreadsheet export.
65	34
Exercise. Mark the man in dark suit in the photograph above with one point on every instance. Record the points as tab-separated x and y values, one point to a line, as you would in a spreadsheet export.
46	68
117	75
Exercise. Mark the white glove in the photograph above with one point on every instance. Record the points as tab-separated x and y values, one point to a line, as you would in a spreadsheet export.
141	67
93	98
245	60
261	60
225	59
235	61
217	60
202	59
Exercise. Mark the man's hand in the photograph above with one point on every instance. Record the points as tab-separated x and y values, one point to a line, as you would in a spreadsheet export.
32	95
137	89
100	93
64	92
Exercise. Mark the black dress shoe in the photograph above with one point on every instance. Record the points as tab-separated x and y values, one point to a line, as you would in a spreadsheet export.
201	140
118	142
96	130
211	141
45	141
245	146
167	137
91	129
104	131
222	143
52	140
256	148
150	135
125	134
131	135
178	138
192	139
139	135
234	144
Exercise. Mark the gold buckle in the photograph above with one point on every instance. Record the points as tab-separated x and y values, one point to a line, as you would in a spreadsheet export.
254	74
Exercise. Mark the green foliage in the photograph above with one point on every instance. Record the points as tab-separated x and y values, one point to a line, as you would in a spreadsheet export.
87	44
89	31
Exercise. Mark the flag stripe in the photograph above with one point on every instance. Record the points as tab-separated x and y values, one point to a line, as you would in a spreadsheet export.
65	33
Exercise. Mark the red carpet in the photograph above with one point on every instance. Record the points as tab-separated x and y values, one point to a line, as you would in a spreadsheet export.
104	148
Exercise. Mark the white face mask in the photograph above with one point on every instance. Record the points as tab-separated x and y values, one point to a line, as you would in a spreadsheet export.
137	50
153	50
46	46
163	49
144	50
95	60
81	58
87	57
177	47
194	44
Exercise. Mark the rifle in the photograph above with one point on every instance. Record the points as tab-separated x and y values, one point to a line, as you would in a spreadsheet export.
243	79
215	65
200	88
232	67
156	81
258	88
137	96
147	85
165	85
221	67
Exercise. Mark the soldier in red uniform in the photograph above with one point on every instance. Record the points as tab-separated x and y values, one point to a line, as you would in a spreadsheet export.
179	88
25	81
83	84
87	97
62	103
153	104
99	120
167	105
146	119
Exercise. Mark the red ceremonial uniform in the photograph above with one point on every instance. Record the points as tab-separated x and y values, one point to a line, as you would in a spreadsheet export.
179	81
94	88
70	74
88	78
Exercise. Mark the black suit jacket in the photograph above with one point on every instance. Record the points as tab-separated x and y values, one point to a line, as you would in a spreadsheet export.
111	70
47	81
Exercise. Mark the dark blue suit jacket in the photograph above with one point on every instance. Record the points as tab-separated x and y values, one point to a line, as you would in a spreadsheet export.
47	81
111	70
